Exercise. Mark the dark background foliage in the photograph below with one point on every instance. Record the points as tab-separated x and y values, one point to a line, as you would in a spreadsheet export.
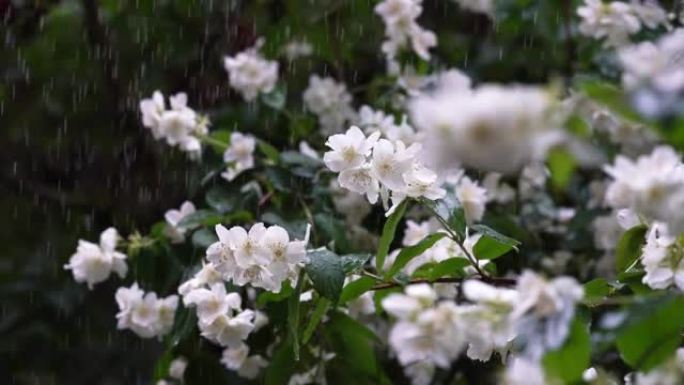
75	158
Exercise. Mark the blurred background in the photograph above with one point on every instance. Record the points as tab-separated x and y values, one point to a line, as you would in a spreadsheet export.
75	159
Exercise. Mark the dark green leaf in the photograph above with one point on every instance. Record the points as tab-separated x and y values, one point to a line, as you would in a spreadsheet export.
569	362
326	272
629	247
281	366
356	288
203	238
220	199
652	333
410	252
354	262
275	99
487	231
388	233
285	292
268	150
452	267
596	290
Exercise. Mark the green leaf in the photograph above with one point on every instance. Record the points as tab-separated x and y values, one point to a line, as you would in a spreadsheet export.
281	366
492	244
410	252
488	247
388	232
276	99
629	247
219	140
293	316
203	238
562	165
612	97
652	332
354	262
451	210
596	290
319	311
299	159
569	362
200	218
356	288
285	292
326	272
452	267
220	199
268	150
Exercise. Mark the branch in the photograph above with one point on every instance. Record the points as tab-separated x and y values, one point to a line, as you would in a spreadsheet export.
490	280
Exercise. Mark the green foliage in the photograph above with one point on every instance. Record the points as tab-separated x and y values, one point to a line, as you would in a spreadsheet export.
410	252
326	272
628	249
569	361
652	332
388	234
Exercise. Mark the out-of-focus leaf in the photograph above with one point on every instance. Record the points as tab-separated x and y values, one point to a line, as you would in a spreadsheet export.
281	366
220	199
326	272
199	218
596	290
267	296
652	332
562	165
268	150
322	306
569	362
388	233
203	238
276	99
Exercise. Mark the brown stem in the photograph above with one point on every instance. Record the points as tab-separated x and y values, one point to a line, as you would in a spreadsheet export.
490	280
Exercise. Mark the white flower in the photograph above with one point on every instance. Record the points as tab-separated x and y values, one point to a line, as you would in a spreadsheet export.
659	65
653	186
177	368
94	263
670	372
401	28
246	245
239	155
544	310
227	329
422	182
614	21
390	161
490	327
497	191
283	254
296	49
462	126
238	359
662	259
424	332
472	197
178	125
213	303
221	255
374	120
361	181
349	150
523	371
354	206
144	313
307	150
250	74
330	101
173	217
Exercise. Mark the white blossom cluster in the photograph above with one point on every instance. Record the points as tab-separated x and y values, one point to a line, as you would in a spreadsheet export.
662	259
402	29
430	333
144	313
371	120
239	156
380	168
616	21
94	263
652	186
173	217
460	125
179	125
654	71
264	257
330	102
250	74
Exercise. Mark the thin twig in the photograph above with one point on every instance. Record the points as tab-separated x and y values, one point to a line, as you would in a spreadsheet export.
490	280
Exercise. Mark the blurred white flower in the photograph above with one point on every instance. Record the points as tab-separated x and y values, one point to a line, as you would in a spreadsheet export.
662	259
402	29
473	198
93	263
144	313
238	359
175	233
479	6
296	49
239	156
330	102
524	371
615	21
250	74
177	368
